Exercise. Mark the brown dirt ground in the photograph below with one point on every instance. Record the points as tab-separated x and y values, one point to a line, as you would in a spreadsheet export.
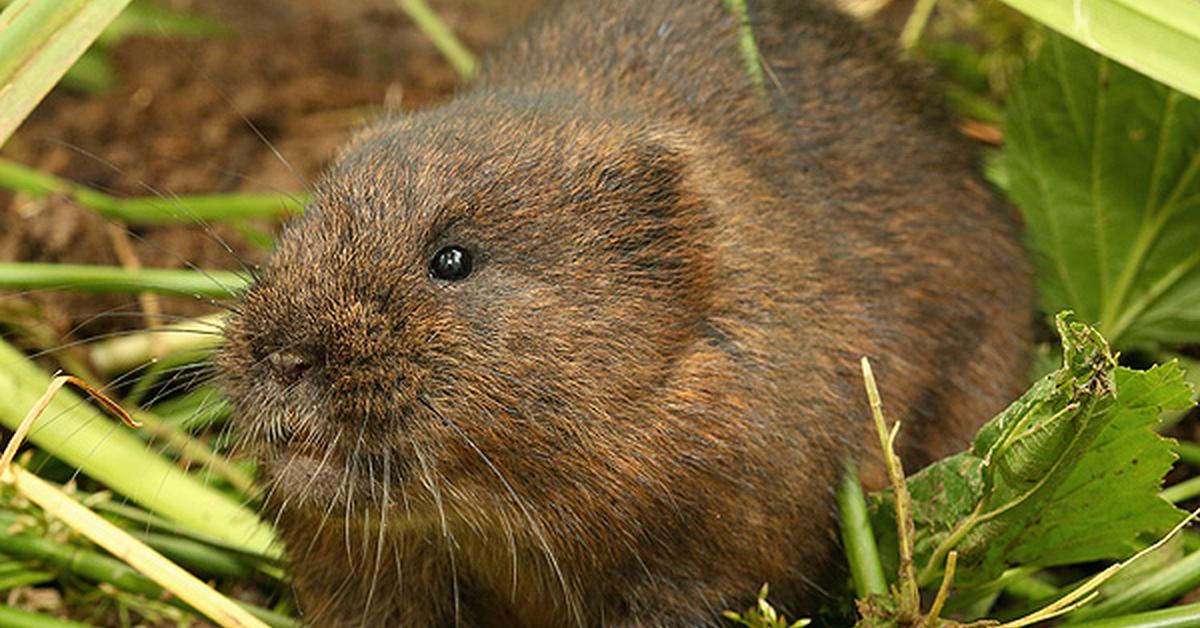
182	120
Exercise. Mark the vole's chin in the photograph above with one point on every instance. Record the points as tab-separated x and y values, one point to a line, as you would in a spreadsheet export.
325	477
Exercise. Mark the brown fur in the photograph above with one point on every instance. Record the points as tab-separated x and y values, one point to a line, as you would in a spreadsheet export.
634	411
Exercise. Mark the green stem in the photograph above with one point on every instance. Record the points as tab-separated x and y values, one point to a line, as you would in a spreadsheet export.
195	409
915	25
77	434
1189	452
197	452
858	539
195	339
98	567
1153	591
1183	491
39	42
155	369
87	278
910	595
152	210
1175	617
746	41
150	522
442	37
87	564
197	557
14	618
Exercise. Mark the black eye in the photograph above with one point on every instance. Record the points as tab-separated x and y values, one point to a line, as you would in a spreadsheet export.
450	263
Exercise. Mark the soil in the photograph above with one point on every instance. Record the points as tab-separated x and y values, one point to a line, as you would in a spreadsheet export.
258	109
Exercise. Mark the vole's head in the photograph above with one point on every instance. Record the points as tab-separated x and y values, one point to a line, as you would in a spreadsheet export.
479	299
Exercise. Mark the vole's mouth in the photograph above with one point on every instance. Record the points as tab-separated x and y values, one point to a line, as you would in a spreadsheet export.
307	449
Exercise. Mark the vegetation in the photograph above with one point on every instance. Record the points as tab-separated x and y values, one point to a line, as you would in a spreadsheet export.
1056	510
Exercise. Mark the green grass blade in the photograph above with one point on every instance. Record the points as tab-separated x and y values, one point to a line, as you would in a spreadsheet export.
79	435
14	618
462	60
87	278
857	538
1160	39
175	209
1154	591
39	42
1175	617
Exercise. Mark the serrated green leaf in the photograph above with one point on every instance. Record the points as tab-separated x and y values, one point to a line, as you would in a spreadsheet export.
1114	482
1070	472
1104	163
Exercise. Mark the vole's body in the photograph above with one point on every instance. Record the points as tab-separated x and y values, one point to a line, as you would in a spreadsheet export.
634	409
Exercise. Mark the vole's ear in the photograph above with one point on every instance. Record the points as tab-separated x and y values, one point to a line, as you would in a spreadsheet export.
657	222
647	174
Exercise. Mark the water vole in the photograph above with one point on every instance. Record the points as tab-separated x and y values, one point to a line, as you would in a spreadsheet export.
581	345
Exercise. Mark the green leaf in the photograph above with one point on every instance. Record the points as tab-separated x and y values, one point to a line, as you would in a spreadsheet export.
1161	38
1105	166
1069	473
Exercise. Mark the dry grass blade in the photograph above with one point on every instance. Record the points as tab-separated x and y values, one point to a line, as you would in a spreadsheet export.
58	382
1086	592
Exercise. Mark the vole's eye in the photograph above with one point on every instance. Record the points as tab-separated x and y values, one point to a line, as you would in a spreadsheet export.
450	263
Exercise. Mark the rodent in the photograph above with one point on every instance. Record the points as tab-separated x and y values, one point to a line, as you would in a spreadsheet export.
581	346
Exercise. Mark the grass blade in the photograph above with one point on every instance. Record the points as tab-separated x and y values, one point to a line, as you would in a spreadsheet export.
462	60
201	208
79	435
87	278
39	42
858	539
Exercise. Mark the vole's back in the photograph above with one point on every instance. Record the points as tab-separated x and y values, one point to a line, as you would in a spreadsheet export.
853	215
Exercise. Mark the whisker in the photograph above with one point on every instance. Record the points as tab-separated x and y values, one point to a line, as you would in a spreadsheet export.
551	556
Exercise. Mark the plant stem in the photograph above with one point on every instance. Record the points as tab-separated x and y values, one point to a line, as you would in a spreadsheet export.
197	557
944	590
1183	491
88	564
858	539
14	618
197	452
165	573
97	567
442	37
88	278
1152	591
152	210
195	409
915	25
746	41
910	596
1175	617
1188	452
195	338
76	433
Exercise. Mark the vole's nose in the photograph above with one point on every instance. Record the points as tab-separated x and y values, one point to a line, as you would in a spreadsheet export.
289	364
